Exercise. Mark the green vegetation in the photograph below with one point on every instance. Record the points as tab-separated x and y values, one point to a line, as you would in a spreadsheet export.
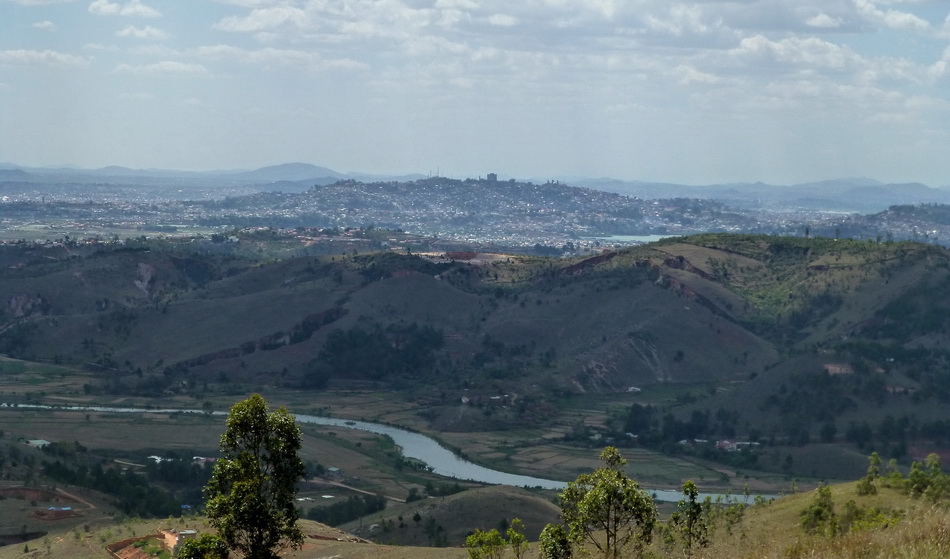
376	354
133	493
485	545
252	489
904	517
516	538
723	359
208	546
555	543
608	509
352	508
689	523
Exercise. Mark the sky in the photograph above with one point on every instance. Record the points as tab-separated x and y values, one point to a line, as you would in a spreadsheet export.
780	91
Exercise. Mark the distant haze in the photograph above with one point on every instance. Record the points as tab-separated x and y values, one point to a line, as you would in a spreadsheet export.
780	91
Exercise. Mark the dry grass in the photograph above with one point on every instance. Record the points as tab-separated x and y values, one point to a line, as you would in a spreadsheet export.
923	534
772	531
766	532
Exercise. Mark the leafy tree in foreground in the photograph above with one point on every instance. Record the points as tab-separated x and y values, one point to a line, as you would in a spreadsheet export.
485	545
554	543
252	489
608	509
516	538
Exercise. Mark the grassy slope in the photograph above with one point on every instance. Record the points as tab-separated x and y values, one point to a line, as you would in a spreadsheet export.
459	514
766	531
611	326
773	531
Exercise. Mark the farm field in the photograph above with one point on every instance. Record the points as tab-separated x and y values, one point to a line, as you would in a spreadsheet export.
364	458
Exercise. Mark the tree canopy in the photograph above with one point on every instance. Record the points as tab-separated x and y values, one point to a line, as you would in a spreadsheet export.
608	509
253	486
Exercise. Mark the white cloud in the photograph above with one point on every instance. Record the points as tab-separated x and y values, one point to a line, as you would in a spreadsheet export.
255	3
132	8
892	18
429	45
456	4
100	47
687	74
630	70
165	67
809	52
45	25
147	32
41	58
681	20
940	68
265	19
503	20
274	57
823	20
39	2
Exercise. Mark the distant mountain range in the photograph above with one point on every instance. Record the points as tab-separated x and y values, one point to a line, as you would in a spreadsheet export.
285	173
845	194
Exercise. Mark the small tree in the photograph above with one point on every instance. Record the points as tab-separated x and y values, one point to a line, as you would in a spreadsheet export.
820	517
689	520
485	545
253	485
610	503
516	538
939	482
866	486
918	480
554	543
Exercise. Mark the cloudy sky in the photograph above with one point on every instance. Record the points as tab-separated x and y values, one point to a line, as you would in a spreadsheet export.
782	91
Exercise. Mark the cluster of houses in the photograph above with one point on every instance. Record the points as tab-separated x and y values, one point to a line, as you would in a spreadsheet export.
725	444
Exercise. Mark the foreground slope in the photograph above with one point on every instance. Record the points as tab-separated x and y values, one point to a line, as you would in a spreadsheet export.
773	529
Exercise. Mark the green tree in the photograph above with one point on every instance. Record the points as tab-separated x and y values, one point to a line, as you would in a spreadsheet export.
918	480
253	485
939	482
689	520
485	545
608	509
516	538
820	517
554	543
208	546
866	486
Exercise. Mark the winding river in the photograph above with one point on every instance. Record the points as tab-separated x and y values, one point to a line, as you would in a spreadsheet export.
439	459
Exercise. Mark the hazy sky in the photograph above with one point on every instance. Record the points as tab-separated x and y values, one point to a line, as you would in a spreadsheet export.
782	91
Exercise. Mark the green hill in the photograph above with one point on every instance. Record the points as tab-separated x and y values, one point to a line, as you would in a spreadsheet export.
811	347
